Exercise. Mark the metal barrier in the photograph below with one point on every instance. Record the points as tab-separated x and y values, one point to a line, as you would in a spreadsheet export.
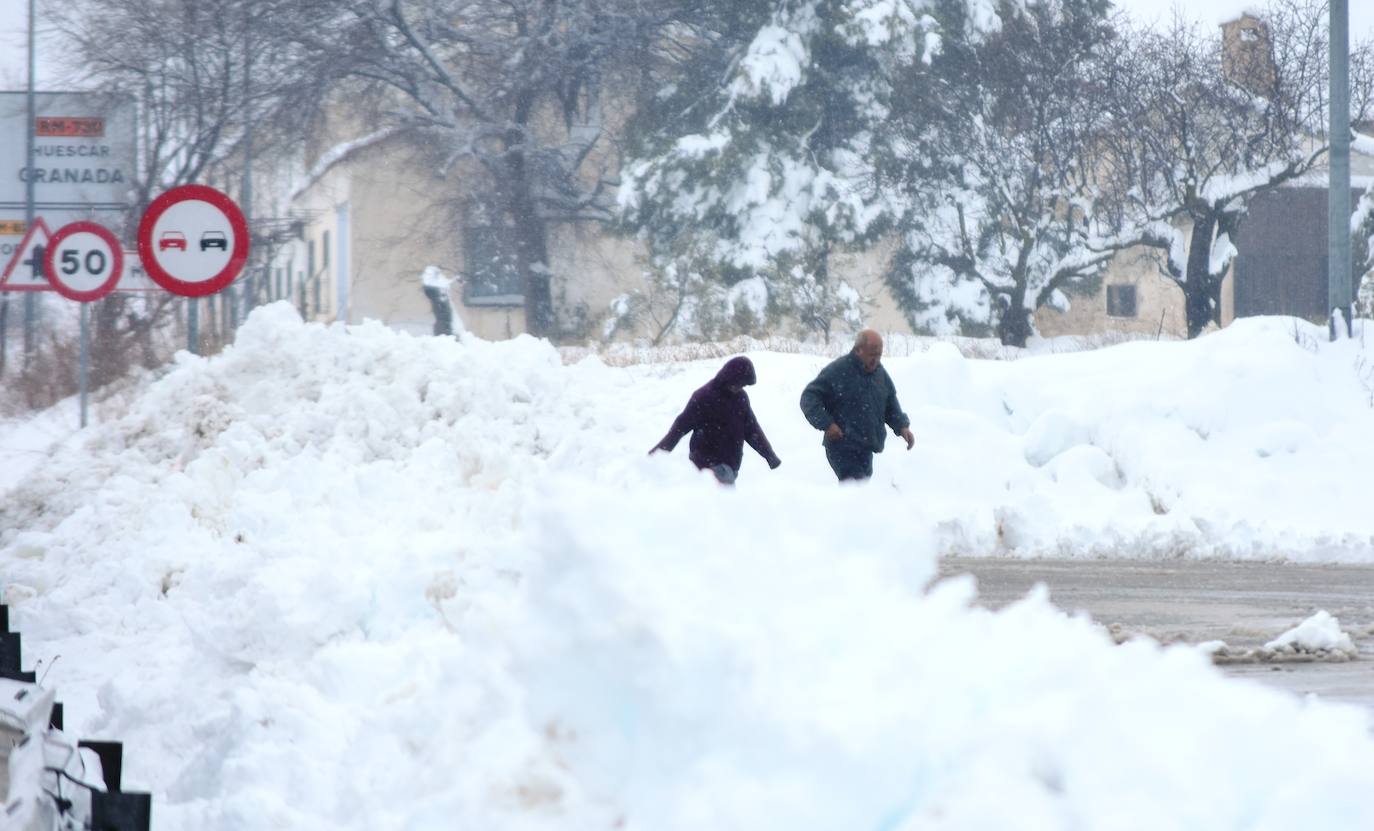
48	782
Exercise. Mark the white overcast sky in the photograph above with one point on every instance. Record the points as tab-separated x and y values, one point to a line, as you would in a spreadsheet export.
14	23
1219	11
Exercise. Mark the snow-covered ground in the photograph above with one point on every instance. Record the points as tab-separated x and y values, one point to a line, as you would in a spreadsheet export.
26	442
352	578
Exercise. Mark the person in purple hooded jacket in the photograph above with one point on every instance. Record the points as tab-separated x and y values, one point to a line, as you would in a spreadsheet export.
720	420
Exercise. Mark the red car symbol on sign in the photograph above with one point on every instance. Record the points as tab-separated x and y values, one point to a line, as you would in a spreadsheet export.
172	239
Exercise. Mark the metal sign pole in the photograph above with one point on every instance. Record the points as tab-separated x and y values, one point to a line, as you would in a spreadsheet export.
85	357
30	301
247	196
192	326
1339	291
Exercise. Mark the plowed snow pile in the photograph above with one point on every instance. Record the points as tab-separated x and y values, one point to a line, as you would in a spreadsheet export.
348	578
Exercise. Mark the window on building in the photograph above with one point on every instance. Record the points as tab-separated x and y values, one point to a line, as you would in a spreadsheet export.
1121	301
492	275
1249	34
324	250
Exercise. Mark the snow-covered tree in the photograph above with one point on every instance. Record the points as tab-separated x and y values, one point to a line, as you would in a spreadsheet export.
761	155
683	298
686	297
1210	131
995	154
186	62
1362	249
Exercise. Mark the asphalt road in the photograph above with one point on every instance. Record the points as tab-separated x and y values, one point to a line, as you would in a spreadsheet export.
1192	601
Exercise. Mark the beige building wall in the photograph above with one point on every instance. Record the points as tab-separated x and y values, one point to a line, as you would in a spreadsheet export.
592	268
317	293
864	269
1158	303
1160	308
385	215
394	234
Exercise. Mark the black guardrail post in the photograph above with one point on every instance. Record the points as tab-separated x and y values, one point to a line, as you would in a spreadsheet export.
113	809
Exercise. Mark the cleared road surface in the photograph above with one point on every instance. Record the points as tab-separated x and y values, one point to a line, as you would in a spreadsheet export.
1244	604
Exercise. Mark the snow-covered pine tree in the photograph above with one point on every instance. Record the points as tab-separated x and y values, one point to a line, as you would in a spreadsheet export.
1362	250
994	149
760	157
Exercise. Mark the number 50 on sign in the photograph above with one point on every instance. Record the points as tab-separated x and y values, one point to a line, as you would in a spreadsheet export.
83	261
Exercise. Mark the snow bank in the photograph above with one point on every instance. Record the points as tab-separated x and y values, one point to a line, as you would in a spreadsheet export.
1319	633
345	577
1319	638
781	668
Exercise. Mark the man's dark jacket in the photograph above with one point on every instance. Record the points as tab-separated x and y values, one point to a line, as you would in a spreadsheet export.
721	421
860	402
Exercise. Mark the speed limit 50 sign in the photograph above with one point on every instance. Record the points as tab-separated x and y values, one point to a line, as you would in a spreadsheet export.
83	261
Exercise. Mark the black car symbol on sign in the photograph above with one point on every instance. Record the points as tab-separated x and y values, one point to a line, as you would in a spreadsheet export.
213	239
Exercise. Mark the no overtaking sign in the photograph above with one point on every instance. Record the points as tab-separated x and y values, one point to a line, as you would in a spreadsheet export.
193	240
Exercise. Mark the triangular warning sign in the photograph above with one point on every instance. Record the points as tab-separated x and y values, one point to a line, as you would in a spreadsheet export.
24	272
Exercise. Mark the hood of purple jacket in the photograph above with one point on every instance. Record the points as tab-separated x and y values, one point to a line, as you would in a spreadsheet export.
738	371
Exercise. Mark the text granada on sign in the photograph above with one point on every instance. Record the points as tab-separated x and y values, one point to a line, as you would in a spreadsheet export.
74	175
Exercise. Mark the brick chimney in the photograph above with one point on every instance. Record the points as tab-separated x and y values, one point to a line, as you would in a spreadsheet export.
1247	55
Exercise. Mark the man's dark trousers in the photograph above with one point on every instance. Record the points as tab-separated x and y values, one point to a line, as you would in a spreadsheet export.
849	460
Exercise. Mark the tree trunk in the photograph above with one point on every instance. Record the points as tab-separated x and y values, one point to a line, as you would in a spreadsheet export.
108	358
823	320
1201	293
532	240
531	249
1014	326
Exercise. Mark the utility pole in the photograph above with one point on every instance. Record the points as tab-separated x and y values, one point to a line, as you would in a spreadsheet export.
246	197
30	300
1339	291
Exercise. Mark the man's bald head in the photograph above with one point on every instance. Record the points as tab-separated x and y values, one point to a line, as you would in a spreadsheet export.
868	348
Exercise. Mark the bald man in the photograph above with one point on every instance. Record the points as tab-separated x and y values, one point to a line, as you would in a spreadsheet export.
850	401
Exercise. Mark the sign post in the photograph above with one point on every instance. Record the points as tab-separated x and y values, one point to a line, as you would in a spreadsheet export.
30	111
1338	280
83	262
193	325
